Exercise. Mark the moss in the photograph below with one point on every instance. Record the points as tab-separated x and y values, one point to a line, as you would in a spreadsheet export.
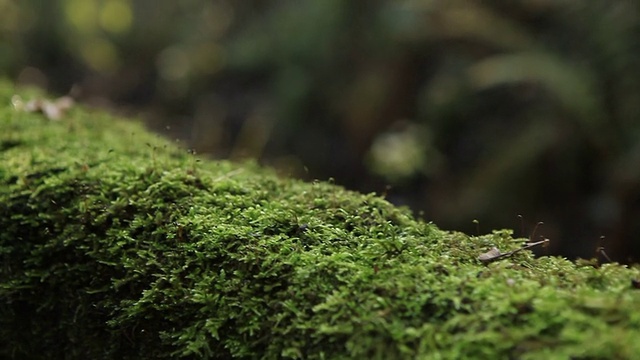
117	244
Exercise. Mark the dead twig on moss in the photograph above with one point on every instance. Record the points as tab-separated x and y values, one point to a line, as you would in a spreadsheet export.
495	254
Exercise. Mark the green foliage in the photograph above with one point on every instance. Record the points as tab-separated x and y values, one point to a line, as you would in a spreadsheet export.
116	244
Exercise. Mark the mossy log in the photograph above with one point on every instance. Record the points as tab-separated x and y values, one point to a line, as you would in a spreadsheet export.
118	244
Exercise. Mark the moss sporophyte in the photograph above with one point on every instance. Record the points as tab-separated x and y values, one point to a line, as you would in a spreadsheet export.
113	249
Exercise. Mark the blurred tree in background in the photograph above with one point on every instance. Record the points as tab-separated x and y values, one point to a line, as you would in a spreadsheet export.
464	109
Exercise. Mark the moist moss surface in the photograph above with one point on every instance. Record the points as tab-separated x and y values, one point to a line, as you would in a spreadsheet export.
117	244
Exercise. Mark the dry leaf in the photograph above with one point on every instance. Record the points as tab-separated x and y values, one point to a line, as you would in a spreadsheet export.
53	110
490	255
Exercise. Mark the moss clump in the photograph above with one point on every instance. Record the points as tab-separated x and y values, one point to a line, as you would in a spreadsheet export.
116	244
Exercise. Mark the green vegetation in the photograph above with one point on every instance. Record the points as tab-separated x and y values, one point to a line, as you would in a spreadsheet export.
117	244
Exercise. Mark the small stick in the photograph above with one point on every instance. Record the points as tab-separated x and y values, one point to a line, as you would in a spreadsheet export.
533	233
495	254
521	225
600	250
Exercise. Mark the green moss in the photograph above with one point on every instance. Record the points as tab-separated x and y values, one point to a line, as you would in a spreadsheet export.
117	244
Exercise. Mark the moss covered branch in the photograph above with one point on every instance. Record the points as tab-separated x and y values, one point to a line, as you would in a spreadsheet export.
117	244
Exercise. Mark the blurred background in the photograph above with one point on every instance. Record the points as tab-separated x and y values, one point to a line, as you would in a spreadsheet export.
465	111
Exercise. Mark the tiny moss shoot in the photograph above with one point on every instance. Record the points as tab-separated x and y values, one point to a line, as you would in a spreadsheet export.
118	244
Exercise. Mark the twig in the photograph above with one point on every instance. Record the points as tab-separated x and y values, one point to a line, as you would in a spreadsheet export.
495	254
